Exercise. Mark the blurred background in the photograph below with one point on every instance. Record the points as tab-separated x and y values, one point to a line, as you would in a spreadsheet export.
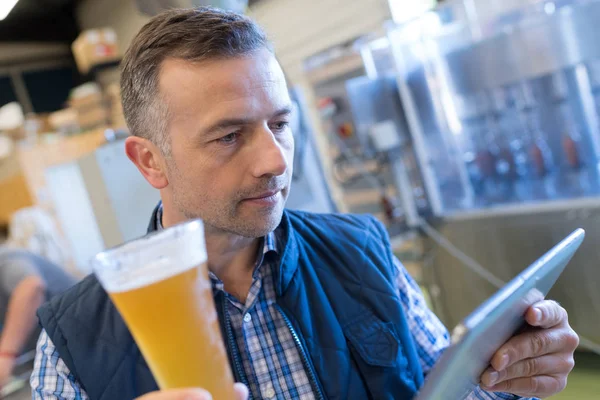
471	128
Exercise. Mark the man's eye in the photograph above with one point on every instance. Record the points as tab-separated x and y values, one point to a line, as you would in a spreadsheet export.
229	139
280	126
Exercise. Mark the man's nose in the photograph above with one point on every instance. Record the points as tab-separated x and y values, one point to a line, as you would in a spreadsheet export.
269	156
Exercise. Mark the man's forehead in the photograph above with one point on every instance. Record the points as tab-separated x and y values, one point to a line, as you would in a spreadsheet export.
245	83
221	77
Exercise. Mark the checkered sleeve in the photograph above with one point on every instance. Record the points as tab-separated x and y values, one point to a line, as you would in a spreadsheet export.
51	378
430	335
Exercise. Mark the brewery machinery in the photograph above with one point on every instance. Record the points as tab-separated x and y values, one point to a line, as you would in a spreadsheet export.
497	113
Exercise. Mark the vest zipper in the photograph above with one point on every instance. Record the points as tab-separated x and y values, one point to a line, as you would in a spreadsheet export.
307	364
232	348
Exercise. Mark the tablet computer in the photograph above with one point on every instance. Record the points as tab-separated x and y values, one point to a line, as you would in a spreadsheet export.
481	334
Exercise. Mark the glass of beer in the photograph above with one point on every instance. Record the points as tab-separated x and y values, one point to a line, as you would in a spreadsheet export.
160	285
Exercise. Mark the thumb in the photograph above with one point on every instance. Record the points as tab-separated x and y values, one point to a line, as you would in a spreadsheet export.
241	390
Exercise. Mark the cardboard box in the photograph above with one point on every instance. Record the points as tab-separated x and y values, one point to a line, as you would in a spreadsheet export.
86	97
117	121
15	134
90	100
44	122
113	97
95	46
33	126
89	105
64	121
92	118
14	195
113	91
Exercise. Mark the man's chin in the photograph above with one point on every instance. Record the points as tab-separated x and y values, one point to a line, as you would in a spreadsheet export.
259	226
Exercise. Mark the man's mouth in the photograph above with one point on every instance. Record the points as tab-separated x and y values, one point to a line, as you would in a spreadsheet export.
266	198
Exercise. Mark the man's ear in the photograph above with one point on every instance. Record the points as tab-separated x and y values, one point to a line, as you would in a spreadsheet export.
148	159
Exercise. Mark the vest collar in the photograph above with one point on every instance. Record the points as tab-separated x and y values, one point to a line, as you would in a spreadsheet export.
289	255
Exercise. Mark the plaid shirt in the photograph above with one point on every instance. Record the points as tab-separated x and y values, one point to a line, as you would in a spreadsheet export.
270	358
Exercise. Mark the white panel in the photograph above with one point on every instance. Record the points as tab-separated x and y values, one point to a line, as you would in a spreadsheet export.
75	213
131	197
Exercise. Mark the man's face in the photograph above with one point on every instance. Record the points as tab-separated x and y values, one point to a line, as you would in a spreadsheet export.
231	146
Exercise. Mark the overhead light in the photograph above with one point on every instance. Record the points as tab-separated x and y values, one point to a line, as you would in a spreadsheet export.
6	7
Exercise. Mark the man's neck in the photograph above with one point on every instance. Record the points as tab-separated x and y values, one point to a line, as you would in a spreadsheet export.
232	258
226	250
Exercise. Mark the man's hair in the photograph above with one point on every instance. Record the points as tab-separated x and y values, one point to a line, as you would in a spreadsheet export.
187	34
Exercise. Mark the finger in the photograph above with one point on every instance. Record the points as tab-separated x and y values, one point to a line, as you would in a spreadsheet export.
545	365
546	314
196	394
537	386
529	345
241	391
178	394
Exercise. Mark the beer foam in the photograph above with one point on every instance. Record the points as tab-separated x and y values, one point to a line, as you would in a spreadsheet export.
151	259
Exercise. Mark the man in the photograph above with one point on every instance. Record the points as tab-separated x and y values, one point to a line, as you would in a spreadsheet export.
311	306
26	281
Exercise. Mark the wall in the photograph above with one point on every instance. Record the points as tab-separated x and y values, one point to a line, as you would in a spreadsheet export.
121	15
300	29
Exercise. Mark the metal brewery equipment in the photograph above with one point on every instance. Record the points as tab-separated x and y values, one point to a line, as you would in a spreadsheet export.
372	151
502	110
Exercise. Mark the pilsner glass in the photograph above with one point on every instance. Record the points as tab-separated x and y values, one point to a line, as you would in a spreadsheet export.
160	285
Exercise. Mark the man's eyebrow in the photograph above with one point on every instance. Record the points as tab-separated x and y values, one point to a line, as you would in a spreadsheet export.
226	123
283	111
229	122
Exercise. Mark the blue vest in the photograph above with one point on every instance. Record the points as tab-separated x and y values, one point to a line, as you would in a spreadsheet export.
335	288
